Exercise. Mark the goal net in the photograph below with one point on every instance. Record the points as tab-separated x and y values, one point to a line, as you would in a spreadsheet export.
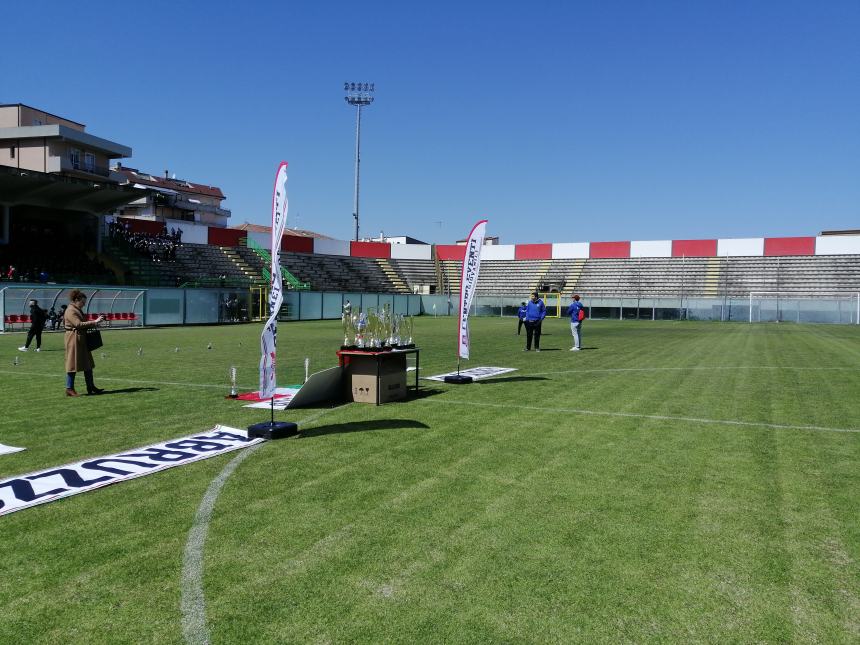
792	306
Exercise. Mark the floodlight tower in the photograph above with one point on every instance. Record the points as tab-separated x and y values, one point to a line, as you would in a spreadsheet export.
359	95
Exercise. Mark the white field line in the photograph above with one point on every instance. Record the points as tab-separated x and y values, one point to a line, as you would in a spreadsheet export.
634	415
192	601
59	377
698	368
684	369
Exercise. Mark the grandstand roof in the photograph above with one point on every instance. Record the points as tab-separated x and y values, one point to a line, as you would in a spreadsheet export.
135	176
59	191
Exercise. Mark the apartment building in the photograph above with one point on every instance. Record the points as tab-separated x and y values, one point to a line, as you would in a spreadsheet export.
169	198
32	139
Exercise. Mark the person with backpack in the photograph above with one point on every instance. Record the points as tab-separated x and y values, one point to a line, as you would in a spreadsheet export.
577	314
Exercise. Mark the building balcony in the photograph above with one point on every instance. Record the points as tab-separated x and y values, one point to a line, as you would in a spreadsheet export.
78	169
193	205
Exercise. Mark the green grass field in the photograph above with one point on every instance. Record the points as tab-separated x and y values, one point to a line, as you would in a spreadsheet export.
674	482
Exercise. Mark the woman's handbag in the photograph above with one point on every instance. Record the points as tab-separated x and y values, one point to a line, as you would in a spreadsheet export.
94	339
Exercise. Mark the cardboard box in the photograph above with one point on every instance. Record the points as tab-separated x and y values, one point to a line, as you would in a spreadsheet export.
363	387
362	383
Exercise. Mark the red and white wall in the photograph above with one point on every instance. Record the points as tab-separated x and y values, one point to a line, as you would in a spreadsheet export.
735	247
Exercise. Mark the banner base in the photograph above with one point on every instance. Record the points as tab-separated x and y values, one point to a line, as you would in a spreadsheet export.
273	430
458	379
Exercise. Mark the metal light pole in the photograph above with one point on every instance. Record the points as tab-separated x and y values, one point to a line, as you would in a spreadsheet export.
359	95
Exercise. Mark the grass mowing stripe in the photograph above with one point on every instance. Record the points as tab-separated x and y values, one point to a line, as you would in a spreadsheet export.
192	601
646	530
658	417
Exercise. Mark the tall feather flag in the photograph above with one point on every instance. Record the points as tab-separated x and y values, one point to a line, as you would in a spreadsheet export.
468	285
269	337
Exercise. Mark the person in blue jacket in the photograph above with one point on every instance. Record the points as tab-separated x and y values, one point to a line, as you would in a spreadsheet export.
521	314
535	313
576	311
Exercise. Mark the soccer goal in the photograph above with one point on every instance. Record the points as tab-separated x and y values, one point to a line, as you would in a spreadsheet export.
791	306
547	297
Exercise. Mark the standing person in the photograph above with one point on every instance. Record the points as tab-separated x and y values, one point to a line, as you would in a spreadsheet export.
78	356
52	318
347	310
535	313
521	314
38	316
577	315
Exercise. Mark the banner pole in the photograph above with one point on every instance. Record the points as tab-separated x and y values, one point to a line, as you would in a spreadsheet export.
268	339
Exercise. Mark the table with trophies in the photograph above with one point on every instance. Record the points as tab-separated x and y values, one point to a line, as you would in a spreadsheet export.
373	355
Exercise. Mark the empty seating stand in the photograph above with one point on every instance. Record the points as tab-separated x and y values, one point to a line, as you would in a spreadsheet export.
708	277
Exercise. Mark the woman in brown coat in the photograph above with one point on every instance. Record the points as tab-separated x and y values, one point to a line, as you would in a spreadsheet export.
78	356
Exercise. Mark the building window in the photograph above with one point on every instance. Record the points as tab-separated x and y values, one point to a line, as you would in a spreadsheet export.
75	157
89	161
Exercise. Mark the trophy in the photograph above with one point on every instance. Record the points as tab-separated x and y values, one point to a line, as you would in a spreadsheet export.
349	328
234	390
375	329
378	330
405	332
360	330
387	327
394	341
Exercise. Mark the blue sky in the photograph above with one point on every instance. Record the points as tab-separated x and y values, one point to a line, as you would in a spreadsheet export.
558	121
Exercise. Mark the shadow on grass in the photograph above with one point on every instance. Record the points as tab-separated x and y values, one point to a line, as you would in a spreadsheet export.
359	426
423	393
130	390
510	379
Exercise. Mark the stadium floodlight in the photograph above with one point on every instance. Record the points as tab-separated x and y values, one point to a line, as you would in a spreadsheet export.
359	95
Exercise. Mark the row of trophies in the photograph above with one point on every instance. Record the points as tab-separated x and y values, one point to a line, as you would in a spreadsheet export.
377	330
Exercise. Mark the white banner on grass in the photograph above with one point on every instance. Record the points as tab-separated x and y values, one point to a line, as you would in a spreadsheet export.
477	373
469	283
269	337
24	491
7	450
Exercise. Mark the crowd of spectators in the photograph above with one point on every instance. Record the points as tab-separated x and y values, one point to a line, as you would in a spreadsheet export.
47	253
159	247
28	274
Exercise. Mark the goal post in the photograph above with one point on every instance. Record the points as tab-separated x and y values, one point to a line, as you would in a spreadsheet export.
793	306
546	301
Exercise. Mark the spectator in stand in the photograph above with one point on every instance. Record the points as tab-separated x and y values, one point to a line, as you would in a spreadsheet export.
43	276
577	315
535	313
78	356
10	273
37	324
521	315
